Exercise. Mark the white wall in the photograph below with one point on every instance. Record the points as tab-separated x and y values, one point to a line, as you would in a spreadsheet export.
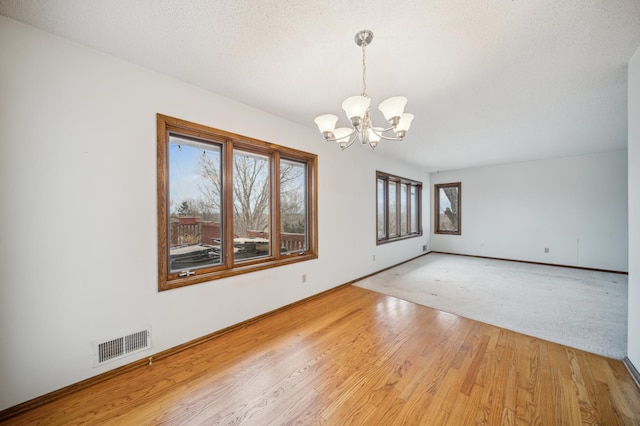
633	340
78	217
575	206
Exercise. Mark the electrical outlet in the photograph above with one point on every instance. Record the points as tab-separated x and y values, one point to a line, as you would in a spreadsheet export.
546	249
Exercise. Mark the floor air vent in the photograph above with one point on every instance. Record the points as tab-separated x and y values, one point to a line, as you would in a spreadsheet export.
109	350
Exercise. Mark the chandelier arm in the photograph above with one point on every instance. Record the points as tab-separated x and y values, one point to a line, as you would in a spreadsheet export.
334	139
390	138
383	136
352	139
379	131
363	137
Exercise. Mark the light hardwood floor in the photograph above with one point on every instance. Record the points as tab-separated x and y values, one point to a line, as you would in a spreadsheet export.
353	356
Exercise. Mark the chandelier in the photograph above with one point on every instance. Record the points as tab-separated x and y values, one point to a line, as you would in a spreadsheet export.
357	110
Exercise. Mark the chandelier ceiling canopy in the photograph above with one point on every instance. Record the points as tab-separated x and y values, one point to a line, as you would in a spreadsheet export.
357	110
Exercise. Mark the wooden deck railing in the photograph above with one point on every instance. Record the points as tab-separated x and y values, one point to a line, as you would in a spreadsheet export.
208	232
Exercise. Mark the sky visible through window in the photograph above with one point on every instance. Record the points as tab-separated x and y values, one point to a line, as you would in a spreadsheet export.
185	178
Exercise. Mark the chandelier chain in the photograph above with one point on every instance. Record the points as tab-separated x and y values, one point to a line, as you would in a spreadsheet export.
364	71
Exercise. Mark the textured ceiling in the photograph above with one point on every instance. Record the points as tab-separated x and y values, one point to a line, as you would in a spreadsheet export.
489	81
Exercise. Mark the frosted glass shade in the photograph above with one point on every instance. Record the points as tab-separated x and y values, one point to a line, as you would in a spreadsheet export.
405	122
342	134
393	107
326	123
356	106
373	137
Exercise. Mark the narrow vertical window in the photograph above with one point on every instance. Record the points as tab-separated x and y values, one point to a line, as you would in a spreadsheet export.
447	203
293	210
393	209
195	204
415	215
404	218
251	205
381	208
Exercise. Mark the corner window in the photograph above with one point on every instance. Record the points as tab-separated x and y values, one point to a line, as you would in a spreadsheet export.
228	204
399	208
447	202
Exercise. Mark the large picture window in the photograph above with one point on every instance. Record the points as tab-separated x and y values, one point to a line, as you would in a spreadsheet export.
399	208
228	204
447	202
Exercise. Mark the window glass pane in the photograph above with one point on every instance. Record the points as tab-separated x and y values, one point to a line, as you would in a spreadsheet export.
393	225
448	209
195	235
380	209
251	196
293	210
414	209
403	209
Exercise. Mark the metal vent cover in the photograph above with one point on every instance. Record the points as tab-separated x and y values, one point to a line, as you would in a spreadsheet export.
108	350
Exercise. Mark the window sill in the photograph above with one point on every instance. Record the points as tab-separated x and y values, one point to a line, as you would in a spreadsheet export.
237	270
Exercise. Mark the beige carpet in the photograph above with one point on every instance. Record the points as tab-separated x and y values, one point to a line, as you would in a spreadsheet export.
583	309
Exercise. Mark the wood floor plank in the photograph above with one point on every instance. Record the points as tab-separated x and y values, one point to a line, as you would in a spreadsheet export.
353	356
474	367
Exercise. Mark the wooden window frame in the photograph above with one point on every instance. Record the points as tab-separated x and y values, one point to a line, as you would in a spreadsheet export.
386	177
167	126
436	209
